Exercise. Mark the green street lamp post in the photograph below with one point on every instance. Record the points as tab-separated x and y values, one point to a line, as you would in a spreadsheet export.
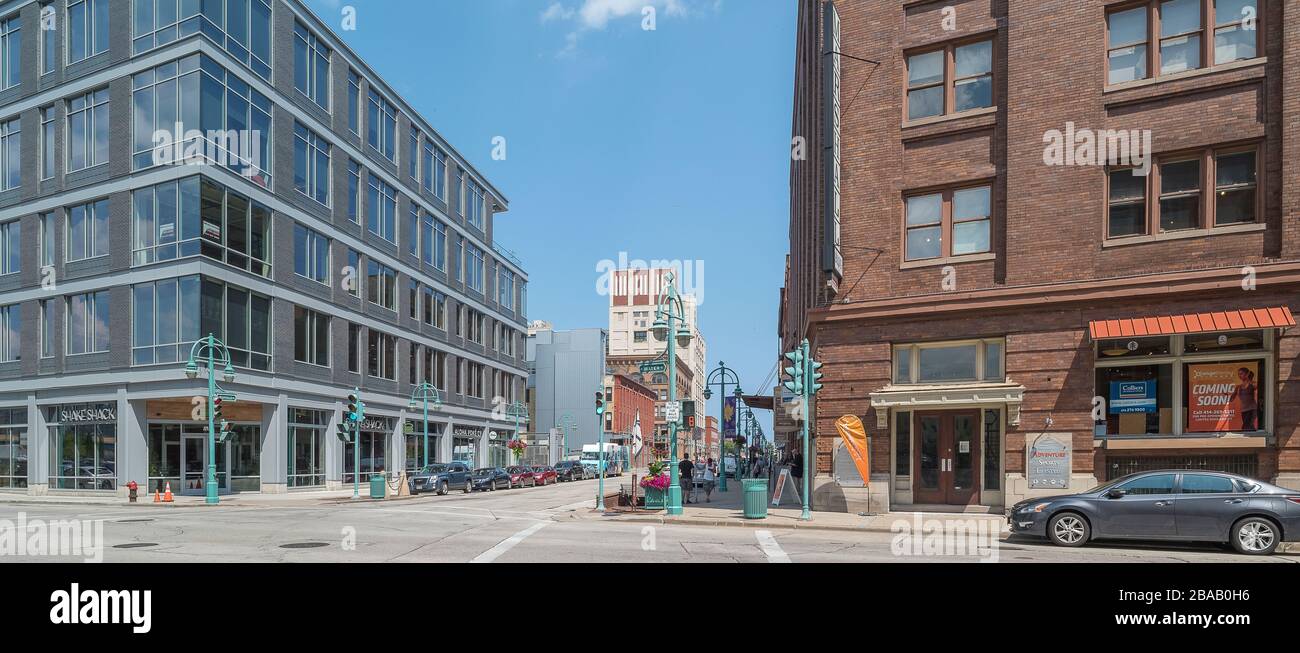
671	310
519	411
600	439
566	424
215	351
718	377
424	392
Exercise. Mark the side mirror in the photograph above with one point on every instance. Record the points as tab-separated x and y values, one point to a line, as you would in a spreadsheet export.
1116	493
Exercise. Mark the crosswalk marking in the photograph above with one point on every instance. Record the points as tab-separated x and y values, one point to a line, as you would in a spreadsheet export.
770	547
509	543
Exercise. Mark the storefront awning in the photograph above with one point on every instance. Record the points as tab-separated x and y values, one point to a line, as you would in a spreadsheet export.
1168	325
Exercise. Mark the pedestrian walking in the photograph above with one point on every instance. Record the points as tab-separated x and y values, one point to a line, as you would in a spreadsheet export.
686	470
710	479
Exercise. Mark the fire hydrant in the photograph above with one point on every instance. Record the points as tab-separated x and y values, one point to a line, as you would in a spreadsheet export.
133	487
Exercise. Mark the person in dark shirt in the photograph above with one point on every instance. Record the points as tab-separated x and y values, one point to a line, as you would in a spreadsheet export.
796	466
686	472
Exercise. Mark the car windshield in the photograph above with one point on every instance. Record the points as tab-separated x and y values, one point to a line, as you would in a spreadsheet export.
433	469
517	470
485	470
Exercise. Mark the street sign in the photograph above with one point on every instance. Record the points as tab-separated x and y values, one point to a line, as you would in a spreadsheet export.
673	411
647	368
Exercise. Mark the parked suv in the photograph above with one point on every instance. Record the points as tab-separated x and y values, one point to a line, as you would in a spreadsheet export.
441	477
570	470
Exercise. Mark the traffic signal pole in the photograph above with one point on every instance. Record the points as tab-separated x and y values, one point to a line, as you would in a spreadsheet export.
804	382
600	438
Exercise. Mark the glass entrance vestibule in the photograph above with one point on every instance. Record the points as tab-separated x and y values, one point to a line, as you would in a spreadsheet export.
178	454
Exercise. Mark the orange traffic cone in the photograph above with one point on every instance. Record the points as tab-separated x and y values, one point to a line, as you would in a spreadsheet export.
167	496
157	497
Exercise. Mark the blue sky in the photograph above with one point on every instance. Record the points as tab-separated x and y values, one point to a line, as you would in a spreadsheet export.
665	144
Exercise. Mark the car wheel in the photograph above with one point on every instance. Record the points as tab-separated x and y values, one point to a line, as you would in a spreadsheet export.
493	486
1068	529
469	487
442	488
1255	536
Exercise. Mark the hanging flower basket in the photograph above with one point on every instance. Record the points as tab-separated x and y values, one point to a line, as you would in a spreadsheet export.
518	447
656	490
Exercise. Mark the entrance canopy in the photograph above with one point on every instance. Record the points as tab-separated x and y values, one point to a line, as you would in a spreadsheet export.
1168	325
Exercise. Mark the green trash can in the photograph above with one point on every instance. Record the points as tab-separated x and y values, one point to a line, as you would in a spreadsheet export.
755	490
377	486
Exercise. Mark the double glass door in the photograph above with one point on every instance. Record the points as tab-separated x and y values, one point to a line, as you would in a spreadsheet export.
947	457
194	457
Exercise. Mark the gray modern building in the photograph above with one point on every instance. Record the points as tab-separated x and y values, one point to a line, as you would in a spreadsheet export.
567	370
174	168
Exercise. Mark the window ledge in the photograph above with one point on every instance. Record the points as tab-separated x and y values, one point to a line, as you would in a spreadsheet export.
921	122
932	262
1187	441
1187	74
1185	234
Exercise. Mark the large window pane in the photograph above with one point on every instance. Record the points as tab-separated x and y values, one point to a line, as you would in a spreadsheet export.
950	363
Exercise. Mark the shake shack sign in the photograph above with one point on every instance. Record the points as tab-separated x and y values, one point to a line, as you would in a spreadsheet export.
383	424
80	413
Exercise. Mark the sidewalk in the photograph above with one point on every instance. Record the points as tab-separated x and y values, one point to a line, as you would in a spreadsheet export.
727	509
251	500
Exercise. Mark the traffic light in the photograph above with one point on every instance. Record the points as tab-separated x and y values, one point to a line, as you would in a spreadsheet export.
354	408
600	403
342	432
224	432
813	376
796	371
216	410
690	421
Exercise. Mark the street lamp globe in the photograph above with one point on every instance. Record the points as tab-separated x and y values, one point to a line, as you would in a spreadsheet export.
410	405
229	374
708	393
683	336
191	370
660	327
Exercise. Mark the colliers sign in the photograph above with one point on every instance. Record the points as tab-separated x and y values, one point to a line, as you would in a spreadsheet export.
74	413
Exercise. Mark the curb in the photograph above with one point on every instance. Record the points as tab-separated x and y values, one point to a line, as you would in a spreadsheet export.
746	523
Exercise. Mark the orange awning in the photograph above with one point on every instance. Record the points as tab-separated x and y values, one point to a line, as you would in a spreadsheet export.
1168	325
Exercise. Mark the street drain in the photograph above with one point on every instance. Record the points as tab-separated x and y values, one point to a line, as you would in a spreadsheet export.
304	545
132	521
134	545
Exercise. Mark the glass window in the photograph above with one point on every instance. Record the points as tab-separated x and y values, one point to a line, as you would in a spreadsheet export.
311	254
311	337
1156	484
413	299
382	132
1199	343
11	325
88	231
973	80
381	285
350	282
477	207
1236	28
311	61
47	142
1180	195
354	191
1136	347
87	29
241	319
48	239
1224	397
1234	188
924	227
992	449
970	220
925	88
244	30
1127	57
1207	484
354	348
413	229
354	102
13	448
1180	35
10	155
87	132
87	323
947	363
903	365
993	363
474	267
383	356
47	328
1139	399
11	244
1127	207
902	443
306	458
164	320
413	158
49	39
381	218
311	164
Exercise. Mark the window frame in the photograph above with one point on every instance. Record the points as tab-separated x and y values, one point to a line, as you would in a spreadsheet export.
311	238
913	354
1208	218
90	37
91	123
315	47
91	299
311	320
949	82
1207	32
947	222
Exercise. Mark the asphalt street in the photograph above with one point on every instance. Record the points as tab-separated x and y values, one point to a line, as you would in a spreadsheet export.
517	526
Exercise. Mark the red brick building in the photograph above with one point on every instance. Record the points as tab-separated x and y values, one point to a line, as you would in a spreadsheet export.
999	273
632	400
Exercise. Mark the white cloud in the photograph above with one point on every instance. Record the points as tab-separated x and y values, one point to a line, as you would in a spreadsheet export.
596	15
556	11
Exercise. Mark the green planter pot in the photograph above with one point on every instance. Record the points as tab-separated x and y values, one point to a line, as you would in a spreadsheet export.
654	499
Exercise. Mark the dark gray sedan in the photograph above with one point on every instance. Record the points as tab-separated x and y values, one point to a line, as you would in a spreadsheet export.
1182	505
491	478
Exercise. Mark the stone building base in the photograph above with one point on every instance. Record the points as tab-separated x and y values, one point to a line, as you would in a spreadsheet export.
830	496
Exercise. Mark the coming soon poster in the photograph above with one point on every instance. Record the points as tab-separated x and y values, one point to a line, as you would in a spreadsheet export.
1223	397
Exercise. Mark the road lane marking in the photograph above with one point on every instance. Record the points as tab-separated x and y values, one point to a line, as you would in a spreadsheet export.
509	543
770	547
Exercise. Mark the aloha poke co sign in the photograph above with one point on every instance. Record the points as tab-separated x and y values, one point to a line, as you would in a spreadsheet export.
74	413
1049	461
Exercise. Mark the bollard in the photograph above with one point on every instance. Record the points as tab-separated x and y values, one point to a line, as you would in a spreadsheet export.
133	487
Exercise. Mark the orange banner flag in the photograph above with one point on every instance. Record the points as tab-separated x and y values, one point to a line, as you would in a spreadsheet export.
855	440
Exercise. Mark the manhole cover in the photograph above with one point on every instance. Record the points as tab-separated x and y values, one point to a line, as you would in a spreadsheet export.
304	545
134	545
132	521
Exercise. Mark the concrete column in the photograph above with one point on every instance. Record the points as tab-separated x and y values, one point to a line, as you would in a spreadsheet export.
481	456
274	463
444	443
38	449
334	450
132	443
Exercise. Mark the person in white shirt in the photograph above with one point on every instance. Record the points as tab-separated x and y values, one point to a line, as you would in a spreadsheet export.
710	476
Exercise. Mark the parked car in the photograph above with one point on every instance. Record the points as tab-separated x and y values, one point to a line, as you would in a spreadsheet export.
1253	516
570	470
521	476
441	477
490	478
545	475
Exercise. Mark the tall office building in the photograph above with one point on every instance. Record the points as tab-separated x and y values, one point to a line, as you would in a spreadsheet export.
235	169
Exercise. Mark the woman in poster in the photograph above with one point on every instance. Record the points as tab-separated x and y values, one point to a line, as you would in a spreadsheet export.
1247	400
